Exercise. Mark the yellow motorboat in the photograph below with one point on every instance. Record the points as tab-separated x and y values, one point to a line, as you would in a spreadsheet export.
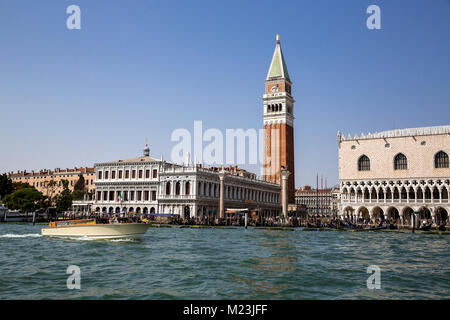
91	229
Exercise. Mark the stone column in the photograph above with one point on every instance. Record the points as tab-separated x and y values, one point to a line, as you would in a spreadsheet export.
221	198
284	176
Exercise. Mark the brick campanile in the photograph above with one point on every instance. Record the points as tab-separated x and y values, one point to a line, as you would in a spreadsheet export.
279	123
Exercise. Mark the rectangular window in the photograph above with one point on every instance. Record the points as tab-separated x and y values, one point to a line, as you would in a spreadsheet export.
133	174
100	175
131	195
146	194
113	174
127	174
105	195
139	195
99	195
140	174
155	173
120	174
111	196
147	174
106	174
153	195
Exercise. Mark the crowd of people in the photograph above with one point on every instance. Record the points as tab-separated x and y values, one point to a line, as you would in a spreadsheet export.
239	220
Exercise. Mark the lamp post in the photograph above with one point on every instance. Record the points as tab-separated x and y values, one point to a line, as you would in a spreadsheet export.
284	176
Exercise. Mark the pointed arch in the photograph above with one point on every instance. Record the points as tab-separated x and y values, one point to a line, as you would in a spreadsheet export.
427	193
403	193
441	160
444	194
363	163
419	193
400	162
396	194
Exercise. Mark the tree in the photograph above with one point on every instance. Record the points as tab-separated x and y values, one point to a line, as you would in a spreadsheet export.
80	184
64	200
79	188
21	185
51	189
6	185
26	199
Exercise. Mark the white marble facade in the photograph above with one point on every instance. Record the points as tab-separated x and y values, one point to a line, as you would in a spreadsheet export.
148	185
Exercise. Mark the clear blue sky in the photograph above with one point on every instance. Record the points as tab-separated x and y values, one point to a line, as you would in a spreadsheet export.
141	69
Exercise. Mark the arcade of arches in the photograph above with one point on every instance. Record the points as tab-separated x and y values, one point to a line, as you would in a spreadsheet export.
396	200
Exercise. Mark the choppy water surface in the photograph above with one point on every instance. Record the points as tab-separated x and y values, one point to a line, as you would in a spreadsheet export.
225	264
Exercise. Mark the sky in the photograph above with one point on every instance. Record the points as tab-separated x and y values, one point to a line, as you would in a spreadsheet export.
139	70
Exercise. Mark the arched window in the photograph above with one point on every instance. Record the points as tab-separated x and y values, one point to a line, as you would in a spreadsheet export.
177	188
188	188
168	188
441	160
363	163
400	162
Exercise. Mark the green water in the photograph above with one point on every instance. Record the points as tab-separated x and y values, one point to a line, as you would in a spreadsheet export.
225	264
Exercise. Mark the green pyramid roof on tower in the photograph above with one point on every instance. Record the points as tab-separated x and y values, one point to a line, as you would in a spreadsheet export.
278	67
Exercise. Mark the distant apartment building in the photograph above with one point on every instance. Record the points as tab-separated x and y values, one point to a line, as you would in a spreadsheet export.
318	202
41	179
392	174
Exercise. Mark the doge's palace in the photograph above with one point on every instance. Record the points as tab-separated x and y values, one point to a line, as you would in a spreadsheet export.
391	174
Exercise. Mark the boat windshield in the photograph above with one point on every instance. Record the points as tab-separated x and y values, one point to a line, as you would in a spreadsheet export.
71	222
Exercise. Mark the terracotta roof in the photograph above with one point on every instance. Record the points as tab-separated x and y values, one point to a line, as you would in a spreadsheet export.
51	172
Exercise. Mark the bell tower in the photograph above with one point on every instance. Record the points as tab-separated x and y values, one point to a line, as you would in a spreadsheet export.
279	123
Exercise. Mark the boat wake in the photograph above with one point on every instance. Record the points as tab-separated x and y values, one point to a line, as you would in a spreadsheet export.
125	240
28	235
86	238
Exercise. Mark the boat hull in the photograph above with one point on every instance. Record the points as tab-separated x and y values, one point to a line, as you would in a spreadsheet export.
99	231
